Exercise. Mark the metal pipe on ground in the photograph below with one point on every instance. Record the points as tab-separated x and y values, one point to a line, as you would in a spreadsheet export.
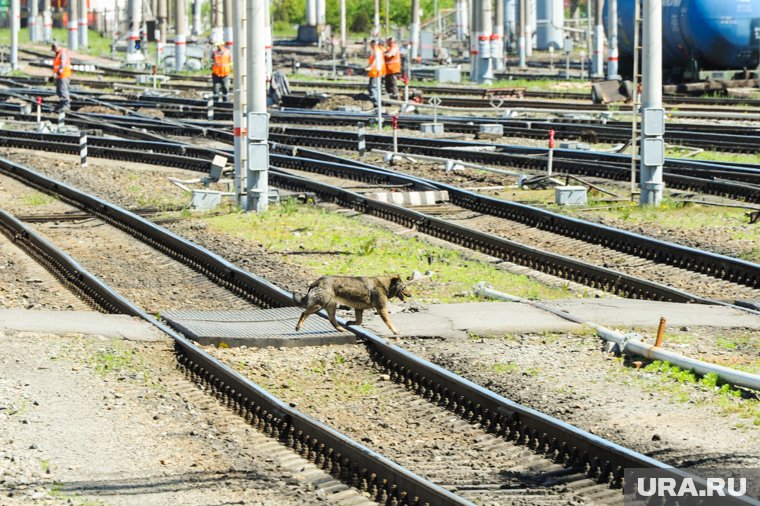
627	343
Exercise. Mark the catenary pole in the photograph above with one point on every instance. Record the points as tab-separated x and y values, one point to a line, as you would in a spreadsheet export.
180	36
612	28
257	185
83	24
73	13
653	117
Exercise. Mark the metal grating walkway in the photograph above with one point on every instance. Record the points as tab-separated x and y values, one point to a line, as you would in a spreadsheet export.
255	328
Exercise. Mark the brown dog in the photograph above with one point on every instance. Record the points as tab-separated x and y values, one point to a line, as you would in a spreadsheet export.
358	293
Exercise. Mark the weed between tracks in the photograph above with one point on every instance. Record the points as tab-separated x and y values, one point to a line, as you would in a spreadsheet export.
330	243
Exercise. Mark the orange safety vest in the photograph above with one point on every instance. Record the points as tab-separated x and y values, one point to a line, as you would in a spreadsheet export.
393	59
62	71
222	63
377	62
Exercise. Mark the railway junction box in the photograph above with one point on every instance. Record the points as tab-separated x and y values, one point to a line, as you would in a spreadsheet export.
448	75
570	195
431	128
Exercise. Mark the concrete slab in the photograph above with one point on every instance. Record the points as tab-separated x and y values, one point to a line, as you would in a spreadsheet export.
457	320
78	322
255	328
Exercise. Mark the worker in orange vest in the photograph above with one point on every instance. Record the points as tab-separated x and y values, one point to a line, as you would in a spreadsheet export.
393	67
62	76
376	69
221	68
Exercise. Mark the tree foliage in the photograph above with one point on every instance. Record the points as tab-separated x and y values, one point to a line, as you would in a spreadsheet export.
359	13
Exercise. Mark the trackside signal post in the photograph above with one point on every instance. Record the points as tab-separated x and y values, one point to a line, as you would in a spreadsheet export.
652	113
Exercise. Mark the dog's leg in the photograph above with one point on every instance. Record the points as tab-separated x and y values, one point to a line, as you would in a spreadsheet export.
358	313
383	312
308	311
330	308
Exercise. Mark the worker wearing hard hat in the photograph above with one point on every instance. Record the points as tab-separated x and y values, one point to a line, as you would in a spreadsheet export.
62	76
376	69
221	68
393	67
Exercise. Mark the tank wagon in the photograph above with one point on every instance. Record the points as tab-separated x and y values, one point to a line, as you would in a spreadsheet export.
699	35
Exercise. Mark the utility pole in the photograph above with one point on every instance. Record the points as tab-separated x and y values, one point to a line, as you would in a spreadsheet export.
34	26
240	97
47	22
652	113
83	23
414	32
162	14
228	39
217	31
598	59
180	36
73	38
376	29
196	27
133	30
522	39
311	12
257	173
497	39
343	29
612	28
15	22
268	37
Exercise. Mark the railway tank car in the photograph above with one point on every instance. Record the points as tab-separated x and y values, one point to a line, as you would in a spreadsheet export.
699	35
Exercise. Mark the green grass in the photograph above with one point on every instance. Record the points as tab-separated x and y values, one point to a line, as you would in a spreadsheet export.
685	386
330	243
38	199
97	45
120	359
720	156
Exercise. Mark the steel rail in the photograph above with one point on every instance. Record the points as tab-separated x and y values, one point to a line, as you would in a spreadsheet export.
719	266
567	161
341	456
602	460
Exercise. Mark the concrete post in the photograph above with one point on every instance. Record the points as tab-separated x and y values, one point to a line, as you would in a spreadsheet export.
522	39
83	24
321	12
257	184
597	61
73	12
268	38
228	39
414	32
162	13
497	47
311	12
484	42
530	26
458	8
196	26
376	22
47	22
652	119
15	21
240	97
343	29
133	30
34	27
612	28
180	36
217	31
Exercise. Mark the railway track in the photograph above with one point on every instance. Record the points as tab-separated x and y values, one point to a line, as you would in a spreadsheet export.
555	460
483	223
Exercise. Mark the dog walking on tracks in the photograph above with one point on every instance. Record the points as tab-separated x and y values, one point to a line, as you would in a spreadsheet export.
358	293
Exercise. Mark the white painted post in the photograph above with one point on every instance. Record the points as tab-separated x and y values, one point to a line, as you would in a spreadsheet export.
47	22
257	184
240	98
551	153
180	36
652	113
612	58
15	21
83	149
73	12
83	24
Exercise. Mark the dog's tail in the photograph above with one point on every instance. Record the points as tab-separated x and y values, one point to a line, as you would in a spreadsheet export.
299	300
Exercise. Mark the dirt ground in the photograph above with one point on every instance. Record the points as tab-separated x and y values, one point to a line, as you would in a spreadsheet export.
87	420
